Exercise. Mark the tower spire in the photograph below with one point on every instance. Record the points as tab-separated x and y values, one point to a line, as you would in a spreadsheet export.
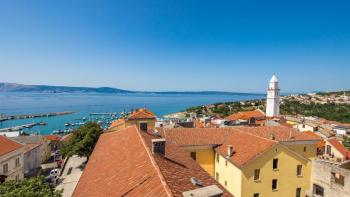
273	98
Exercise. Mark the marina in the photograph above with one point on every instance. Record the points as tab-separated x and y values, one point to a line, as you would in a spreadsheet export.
21	127
26	116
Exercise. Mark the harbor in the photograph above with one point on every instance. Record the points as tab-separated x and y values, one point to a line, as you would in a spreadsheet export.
26	116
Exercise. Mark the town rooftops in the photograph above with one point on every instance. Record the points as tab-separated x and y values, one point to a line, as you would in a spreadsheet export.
246	147
117	122
279	133
196	136
32	139
52	137
245	115
122	164
142	114
340	147
7	145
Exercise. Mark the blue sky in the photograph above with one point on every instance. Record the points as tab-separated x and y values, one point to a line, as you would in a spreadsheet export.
177	44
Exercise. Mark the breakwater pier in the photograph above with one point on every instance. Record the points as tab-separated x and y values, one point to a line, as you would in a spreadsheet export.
26	116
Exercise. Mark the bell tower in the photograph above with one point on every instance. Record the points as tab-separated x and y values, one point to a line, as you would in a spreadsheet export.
273	98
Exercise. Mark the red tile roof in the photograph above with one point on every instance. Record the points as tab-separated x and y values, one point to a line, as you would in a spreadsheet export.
142	114
121	165
245	115
52	137
7	145
117	122
279	133
246	147
196	136
178	168
340	147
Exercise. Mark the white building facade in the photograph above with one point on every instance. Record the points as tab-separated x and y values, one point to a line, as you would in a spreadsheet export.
273	98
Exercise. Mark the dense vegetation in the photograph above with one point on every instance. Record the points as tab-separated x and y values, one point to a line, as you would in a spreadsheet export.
329	111
28	188
339	93
227	108
83	140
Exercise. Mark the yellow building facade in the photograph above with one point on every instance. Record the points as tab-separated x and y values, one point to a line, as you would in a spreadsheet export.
204	156
242	182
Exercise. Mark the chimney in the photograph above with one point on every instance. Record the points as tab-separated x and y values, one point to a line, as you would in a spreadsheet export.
229	150
273	137
158	146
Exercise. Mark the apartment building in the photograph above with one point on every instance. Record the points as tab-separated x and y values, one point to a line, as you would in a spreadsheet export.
11	160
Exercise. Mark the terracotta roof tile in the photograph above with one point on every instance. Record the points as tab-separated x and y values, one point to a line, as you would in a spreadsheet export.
246	147
52	137
245	115
117	122
121	165
279	133
142	114
178	168
340	147
7	145
196	136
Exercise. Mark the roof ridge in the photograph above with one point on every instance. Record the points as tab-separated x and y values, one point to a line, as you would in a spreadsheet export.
154	163
248	133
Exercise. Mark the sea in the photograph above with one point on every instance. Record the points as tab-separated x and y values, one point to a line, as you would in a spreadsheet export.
84	104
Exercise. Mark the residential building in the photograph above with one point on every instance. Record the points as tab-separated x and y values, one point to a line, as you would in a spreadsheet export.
334	150
134	162
11	160
32	158
273	98
45	148
330	179
54	141
143	118
251	161
251	118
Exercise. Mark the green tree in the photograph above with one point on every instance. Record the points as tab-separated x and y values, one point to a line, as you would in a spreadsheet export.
28	187
346	142
83	140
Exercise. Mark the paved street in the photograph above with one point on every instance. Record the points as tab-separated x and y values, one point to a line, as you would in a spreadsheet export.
71	175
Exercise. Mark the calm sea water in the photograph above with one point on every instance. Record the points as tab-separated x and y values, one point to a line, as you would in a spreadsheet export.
84	104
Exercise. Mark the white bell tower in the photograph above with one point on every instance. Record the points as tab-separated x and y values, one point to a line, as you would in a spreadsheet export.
273	98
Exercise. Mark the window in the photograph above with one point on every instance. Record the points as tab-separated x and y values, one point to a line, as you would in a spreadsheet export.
226	183
338	178
217	158
217	177
256	174
194	155
274	184
17	177
275	164
5	168
17	163
143	126
304	148
318	190
299	168
256	195
329	150
225	162
298	192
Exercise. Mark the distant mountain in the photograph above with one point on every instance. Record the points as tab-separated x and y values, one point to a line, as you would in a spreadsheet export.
14	87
